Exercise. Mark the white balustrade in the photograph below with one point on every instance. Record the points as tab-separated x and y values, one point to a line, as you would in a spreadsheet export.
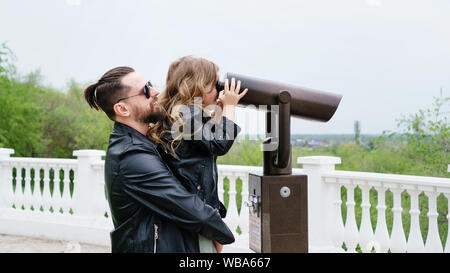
55	220
88	204
397	184
235	218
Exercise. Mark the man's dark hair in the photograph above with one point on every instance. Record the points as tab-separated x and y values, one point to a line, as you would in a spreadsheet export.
108	90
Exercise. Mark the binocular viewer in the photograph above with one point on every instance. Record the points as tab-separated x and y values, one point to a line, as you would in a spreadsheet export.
289	100
278	200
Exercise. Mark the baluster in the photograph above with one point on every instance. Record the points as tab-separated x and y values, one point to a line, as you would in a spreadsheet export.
107	208
398	240
37	197
100	183
220	190
232	213
9	196
28	197
18	194
17	188
433	242
74	182
339	228
66	199
381	243
46	195
57	198
415	242
105	204
244	215
351	229
447	244
365	230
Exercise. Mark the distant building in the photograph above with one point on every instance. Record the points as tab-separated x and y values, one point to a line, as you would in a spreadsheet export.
316	143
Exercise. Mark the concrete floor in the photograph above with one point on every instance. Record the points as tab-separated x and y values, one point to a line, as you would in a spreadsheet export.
21	244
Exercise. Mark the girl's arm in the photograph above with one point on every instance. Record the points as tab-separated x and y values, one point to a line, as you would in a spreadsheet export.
216	136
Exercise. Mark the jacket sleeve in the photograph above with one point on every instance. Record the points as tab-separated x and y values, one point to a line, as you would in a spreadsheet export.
150	182
216	137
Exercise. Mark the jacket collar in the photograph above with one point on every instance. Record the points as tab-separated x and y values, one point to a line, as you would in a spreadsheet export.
135	135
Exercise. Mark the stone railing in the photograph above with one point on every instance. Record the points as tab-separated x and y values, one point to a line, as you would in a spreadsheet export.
64	199
377	228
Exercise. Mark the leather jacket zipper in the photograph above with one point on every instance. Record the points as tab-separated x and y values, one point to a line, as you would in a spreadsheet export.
156	238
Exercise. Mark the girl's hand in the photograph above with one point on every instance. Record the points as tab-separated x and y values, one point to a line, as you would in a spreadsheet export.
230	95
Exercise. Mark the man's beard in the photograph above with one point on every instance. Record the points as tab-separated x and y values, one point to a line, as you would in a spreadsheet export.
151	115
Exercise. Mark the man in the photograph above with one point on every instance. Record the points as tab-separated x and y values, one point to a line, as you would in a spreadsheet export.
151	210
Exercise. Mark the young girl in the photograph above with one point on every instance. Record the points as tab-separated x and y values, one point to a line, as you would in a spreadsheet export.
191	136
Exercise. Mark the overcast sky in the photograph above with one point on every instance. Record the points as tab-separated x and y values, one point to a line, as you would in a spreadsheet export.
387	58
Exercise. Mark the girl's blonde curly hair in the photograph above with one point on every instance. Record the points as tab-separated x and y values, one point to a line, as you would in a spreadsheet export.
187	78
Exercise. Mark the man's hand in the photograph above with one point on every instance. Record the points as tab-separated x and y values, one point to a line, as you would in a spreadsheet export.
218	246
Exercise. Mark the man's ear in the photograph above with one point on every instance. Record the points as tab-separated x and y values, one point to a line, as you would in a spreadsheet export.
121	110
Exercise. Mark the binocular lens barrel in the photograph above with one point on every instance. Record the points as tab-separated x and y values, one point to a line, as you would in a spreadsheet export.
305	103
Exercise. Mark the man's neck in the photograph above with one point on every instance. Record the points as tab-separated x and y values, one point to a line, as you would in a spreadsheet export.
140	127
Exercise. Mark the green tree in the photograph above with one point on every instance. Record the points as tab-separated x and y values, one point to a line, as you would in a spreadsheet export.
19	115
427	139
39	121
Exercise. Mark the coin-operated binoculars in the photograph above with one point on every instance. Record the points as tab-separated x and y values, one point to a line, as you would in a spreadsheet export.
278	199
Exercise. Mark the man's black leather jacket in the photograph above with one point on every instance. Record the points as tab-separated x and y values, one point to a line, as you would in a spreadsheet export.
151	210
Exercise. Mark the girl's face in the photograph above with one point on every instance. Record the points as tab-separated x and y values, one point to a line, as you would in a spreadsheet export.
211	96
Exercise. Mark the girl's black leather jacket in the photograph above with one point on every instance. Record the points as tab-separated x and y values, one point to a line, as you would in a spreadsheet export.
195	162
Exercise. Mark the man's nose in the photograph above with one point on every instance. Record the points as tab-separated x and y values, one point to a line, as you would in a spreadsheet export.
153	92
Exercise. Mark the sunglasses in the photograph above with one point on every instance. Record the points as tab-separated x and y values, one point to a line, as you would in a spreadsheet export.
146	92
